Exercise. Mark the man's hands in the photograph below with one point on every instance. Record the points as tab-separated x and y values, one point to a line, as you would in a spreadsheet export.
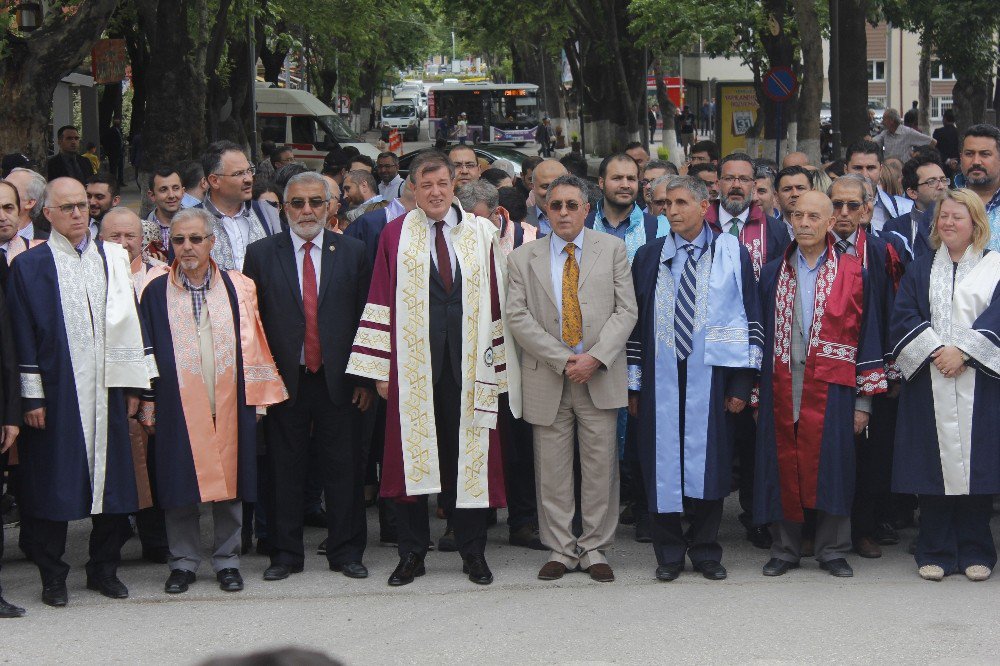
383	389
363	398
580	367
949	361
860	421
735	405
8	436
35	418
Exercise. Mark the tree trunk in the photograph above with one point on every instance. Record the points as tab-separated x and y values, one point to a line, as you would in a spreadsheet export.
667	111
138	55
273	61
969	95
853	71
811	88
924	86
531	64
32	67
780	51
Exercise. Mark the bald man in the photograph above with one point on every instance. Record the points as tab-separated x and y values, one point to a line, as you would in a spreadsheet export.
543	175
795	159
821	294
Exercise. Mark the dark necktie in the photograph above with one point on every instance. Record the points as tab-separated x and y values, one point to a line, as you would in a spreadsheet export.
443	258
4	252
314	357
684	310
843	246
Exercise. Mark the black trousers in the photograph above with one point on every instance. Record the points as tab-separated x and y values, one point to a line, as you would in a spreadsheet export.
412	522
669	543
519	469
745	443
47	545
872	494
955	532
339	458
152	528
3	471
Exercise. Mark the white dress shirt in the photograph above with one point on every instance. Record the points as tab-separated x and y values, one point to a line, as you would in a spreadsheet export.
726	220
316	253
450	222
392	189
557	263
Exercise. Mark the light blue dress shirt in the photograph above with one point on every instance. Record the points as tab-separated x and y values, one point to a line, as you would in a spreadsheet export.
681	256
544	228
806	277
557	263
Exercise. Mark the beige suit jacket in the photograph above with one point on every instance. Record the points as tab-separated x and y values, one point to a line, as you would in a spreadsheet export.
607	303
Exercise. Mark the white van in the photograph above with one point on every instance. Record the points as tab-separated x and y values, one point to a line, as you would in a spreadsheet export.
402	115
296	118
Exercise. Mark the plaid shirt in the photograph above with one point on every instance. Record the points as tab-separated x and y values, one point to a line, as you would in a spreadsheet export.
198	294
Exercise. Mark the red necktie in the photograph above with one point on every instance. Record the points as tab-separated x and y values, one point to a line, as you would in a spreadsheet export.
443	258
314	357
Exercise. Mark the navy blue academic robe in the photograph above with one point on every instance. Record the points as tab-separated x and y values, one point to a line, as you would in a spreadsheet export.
700	462
171	464
54	470
917	464
834	483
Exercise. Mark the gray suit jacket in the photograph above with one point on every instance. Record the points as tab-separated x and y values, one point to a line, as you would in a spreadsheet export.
607	302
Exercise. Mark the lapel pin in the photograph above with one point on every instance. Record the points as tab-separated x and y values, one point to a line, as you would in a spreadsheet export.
332	248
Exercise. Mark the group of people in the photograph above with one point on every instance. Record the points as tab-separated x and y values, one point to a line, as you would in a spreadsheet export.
553	345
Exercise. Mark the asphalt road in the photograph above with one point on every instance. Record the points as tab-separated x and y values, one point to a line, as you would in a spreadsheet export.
884	614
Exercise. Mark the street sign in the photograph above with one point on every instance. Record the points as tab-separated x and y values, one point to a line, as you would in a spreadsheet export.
108	61
780	84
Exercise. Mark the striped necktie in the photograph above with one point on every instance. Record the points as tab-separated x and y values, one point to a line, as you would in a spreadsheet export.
843	246
684	311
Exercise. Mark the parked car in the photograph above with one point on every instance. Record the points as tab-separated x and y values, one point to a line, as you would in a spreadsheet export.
491	154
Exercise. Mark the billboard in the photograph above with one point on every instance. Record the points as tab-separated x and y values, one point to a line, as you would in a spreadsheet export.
736	112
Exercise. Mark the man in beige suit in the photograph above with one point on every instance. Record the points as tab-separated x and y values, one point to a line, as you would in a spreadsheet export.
571	308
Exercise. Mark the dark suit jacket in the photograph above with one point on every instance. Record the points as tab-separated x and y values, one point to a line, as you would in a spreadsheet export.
345	274
901	225
368	229
446	324
56	168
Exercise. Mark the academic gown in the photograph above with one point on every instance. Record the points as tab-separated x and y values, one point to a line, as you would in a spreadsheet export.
54	467
703	469
969	453
171	461
825	470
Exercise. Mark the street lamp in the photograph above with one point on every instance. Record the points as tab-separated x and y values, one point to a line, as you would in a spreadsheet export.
29	16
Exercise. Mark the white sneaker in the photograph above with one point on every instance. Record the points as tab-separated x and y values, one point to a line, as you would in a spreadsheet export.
931	572
977	572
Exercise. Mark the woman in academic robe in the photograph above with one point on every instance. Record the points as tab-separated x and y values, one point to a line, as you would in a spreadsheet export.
946	340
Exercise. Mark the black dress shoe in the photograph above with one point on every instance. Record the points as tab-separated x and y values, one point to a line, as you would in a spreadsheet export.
447	543
410	566
178	581
316	519
280	571
321	549
759	537
230	580
479	572
110	587
526	536
779	567
711	570
885	535
8	610
351	569
838	567
643	530
669	572
156	555
55	594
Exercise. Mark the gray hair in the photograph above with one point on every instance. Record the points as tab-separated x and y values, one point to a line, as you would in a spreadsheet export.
361	176
35	190
660	164
186	214
858	180
478	191
891	114
569	180
506	166
308	178
120	210
692	184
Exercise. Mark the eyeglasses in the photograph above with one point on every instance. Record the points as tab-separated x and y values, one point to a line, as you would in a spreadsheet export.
194	238
943	180
314	202
742	180
249	171
466	165
557	206
851	205
659	203
67	209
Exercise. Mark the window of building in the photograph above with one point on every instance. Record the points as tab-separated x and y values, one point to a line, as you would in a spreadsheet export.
939	105
941	73
876	70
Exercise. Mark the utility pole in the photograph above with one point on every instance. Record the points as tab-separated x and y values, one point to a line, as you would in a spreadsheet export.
835	76
251	43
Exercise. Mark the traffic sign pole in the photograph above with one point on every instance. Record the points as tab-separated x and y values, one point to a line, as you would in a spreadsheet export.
780	84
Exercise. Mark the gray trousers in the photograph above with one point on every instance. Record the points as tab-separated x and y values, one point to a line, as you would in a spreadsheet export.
595	431
184	535
833	538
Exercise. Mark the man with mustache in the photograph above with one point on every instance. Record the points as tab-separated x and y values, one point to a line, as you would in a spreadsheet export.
312	285
980	164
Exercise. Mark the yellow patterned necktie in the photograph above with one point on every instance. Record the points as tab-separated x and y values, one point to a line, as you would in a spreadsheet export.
572	318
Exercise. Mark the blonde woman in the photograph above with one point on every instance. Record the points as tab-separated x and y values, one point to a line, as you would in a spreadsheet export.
946	333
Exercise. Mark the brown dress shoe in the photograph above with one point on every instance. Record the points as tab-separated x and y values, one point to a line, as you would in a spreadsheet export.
602	573
552	571
866	547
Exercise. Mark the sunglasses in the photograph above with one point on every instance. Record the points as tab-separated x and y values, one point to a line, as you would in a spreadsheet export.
314	202
851	205
194	238
558	205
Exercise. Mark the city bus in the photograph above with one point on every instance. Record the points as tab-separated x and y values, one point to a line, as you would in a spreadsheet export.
495	112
